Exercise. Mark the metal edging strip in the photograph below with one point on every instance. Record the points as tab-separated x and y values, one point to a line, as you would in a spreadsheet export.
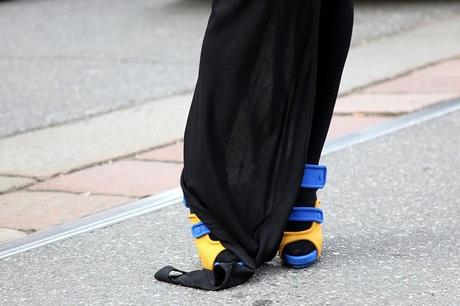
174	196
90	223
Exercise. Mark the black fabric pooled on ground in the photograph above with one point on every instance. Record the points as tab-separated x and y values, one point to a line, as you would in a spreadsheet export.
248	129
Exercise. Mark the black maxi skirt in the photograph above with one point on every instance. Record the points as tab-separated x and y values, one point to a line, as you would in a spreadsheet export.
248	130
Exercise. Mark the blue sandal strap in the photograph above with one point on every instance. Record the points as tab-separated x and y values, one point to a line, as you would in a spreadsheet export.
307	214
314	176
301	261
199	230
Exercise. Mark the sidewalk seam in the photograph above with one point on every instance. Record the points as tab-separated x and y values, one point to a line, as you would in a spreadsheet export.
400	75
98	163
81	193
175	94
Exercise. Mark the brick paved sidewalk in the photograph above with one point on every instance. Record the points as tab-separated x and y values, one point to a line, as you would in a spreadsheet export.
27	206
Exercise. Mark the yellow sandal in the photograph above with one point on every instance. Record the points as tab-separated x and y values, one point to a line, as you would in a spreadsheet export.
314	177
208	249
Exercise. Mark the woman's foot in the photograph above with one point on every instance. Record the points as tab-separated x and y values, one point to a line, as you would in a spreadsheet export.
305	198
303	238
210	250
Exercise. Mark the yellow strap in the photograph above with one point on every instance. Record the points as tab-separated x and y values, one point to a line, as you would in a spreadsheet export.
208	249
314	234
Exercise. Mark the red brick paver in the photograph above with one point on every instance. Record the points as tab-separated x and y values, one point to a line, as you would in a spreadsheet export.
441	78
172	153
125	177
342	125
449	68
387	104
38	210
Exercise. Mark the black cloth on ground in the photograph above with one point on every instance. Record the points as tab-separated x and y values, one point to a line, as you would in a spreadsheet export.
268	80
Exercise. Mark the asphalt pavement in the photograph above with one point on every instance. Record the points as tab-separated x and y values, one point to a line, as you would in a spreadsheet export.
67	60
391	238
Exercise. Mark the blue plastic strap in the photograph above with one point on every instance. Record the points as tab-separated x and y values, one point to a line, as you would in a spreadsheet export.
199	230
301	261
314	176
306	214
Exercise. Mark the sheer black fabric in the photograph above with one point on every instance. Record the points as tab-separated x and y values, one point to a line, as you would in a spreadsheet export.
268	79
